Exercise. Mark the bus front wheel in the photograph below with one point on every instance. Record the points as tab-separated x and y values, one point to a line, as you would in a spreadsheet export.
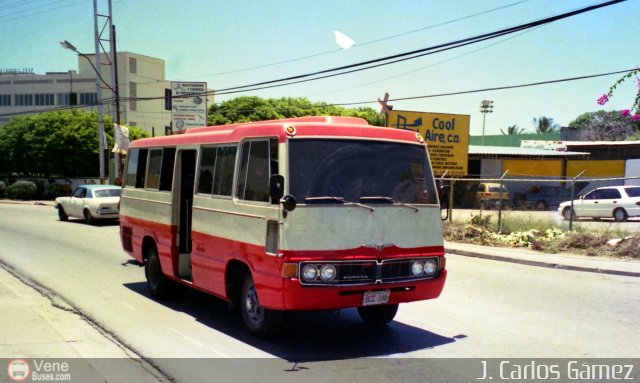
378	315
260	321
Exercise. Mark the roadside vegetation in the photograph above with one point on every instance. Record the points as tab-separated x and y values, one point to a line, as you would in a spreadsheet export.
545	235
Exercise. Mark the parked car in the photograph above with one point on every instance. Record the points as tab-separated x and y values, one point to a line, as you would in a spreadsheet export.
546	197
90	202
488	195
617	202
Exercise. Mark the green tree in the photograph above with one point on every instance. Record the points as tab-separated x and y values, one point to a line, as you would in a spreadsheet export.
512	130
246	109
54	144
545	125
605	126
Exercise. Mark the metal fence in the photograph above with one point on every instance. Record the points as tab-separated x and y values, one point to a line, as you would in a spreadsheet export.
461	198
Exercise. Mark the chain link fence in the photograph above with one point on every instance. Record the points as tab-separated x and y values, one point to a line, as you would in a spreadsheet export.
542	198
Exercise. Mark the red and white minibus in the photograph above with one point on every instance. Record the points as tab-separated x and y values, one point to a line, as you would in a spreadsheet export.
312	213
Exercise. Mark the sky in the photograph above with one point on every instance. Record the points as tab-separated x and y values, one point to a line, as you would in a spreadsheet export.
231	43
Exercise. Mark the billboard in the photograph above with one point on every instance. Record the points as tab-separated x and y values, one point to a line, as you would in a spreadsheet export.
188	105
446	136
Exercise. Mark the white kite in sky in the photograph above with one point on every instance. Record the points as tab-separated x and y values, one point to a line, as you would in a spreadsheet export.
343	41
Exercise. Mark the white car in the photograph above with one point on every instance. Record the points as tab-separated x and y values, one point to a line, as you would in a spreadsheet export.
617	202
90	202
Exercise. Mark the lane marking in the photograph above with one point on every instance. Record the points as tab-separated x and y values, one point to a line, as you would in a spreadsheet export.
187	337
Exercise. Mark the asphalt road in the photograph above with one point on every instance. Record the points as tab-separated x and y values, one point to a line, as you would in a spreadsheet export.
488	309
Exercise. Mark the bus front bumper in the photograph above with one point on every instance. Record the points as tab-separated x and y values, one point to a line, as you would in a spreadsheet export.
299	297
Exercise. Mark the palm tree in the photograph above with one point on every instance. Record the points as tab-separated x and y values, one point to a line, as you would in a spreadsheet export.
545	125
512	130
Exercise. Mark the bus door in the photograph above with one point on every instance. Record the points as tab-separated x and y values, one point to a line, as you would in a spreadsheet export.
186	179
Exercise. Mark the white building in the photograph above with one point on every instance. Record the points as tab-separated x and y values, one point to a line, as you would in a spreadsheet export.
139	77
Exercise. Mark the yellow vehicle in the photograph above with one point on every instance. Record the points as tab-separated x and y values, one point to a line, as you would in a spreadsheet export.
488	195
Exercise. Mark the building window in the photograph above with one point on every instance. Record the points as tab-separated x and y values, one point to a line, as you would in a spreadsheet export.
88	99
133	94
23	99
133	65
167	99
44	99
5	100
63	99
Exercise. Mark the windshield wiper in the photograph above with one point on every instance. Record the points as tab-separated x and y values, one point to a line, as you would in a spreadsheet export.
390	200
337	199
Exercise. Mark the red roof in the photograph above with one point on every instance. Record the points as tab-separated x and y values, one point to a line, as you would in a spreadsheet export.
321	126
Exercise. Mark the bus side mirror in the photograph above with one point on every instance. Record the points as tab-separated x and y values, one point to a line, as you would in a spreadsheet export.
276	187
289	202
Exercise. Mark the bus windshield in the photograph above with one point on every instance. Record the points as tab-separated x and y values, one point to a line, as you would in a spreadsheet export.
360	171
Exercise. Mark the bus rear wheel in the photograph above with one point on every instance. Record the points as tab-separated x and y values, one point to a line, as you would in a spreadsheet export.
260	321
156	281
378	315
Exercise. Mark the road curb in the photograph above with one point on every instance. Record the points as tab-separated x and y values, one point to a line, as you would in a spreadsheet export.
549	265
18	202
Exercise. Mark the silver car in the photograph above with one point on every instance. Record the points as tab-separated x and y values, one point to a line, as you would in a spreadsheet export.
617	202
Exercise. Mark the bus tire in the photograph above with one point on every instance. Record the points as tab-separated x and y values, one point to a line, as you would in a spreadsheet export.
378	315
260	321
157	282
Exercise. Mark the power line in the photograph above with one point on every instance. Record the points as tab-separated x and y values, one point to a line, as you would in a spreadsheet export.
496	88
428	66
364	43
387	60
568	79
37	10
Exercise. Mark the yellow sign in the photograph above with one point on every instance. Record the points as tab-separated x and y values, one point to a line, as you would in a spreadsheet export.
446	136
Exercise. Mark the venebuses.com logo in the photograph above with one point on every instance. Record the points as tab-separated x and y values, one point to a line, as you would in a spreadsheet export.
18	370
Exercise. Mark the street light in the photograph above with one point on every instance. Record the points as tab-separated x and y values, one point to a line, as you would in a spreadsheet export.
485	107
101	137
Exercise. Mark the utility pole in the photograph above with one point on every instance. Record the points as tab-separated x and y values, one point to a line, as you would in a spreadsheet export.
485	107
105	33
114	79
102	141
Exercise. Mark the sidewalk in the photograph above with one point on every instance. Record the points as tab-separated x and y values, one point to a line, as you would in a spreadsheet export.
34	329
573	262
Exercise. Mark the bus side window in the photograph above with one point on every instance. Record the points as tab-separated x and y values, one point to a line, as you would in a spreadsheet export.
253	181
166	172
132	167
224	168
207	167
153	172
141	168
273	156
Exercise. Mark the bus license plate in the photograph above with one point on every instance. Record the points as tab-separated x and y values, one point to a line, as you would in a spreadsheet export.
376	297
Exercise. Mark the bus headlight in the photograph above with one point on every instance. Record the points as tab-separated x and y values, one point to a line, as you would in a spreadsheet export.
430	267
309	273
328	273
417	268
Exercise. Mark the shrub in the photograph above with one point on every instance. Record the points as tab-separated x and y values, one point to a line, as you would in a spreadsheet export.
480	220
24	190
3	190
58	190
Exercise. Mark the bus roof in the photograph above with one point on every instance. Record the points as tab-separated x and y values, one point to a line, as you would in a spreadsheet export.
318	126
